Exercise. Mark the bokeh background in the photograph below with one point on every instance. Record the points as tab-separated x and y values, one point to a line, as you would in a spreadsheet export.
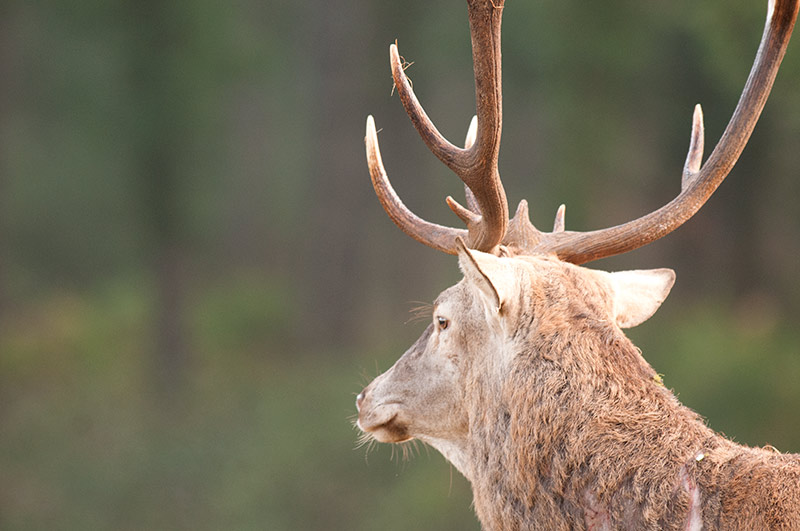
196	278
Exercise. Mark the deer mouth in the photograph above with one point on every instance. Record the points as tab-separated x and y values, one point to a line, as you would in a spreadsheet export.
386	427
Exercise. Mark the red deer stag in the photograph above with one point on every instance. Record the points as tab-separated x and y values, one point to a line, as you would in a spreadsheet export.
524	379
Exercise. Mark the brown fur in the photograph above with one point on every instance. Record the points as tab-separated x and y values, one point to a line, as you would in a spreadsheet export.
558	421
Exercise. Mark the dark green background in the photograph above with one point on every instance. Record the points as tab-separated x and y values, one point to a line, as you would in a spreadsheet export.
196	278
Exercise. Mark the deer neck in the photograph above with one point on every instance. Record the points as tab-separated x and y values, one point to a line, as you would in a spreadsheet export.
570	441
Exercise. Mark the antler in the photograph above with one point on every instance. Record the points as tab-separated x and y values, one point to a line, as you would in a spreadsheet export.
486	216
698	183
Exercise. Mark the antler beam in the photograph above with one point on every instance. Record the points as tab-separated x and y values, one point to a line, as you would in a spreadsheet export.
486	214
698	182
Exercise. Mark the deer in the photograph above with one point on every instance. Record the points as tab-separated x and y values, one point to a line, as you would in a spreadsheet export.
524	379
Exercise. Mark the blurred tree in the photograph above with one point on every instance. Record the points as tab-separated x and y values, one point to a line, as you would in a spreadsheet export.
333	226
157	67
8	89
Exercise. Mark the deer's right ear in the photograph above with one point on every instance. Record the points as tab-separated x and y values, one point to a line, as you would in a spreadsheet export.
638	294
487	273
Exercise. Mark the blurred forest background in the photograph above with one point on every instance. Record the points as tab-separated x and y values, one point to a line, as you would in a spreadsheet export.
196	278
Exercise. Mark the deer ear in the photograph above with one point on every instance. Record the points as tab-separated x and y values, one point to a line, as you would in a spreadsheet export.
486	272
638	294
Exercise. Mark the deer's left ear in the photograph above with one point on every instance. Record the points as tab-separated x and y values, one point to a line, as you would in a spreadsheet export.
638	294
488	273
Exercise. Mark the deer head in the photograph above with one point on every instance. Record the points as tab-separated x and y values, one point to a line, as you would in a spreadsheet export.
527	349
481	326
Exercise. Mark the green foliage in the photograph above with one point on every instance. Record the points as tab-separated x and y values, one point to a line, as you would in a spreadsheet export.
245	313
195	275
260	439
738	368
254	441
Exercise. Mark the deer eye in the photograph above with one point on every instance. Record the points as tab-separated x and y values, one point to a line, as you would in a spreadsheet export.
442	323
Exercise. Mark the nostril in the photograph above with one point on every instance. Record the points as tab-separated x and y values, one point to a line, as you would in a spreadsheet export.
359	400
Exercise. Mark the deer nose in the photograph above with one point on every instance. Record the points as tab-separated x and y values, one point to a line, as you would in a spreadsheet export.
360	399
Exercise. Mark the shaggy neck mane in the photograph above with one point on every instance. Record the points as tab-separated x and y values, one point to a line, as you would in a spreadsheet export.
534	443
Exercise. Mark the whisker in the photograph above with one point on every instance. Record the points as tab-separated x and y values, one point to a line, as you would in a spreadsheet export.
421	312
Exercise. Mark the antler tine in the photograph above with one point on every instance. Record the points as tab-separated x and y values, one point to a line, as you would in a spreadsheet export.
476	165
433	235
468	215
469	141
560	222
694	159
436	142
698	183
